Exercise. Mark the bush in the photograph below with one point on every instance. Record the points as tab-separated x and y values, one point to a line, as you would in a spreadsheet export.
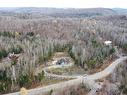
112	51
30	34
41	76
3	86
24	79
95	43
3	53
16	50
125	46
91	63
3	75
5	82
7	34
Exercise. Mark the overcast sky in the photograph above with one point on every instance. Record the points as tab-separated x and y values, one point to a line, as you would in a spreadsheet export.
65	3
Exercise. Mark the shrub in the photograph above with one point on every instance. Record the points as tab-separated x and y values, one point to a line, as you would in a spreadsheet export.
112	51
91	63
24	79
7	34
3	53
3	75
30	34
2	86
41	76
125	46
95	43
16	50
5	82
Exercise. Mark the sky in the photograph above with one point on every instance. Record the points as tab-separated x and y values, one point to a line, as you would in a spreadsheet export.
65	3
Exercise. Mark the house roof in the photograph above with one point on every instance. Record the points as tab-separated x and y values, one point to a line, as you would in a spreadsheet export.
108	42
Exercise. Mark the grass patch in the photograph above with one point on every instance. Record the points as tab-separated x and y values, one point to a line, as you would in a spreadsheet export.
74	70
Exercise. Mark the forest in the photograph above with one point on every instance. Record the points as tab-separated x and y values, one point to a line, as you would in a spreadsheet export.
32	39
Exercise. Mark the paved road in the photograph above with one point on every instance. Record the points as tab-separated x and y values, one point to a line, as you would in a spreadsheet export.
58	86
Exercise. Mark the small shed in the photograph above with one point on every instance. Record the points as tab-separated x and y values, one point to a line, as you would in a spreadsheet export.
108	43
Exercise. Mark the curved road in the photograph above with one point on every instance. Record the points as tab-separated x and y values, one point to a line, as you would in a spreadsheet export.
93	77
101	75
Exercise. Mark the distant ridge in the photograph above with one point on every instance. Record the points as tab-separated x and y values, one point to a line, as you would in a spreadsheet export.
120	10
60	12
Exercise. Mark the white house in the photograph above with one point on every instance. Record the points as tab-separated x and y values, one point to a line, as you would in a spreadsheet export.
108	43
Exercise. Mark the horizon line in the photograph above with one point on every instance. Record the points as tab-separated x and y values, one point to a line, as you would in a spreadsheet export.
64	7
